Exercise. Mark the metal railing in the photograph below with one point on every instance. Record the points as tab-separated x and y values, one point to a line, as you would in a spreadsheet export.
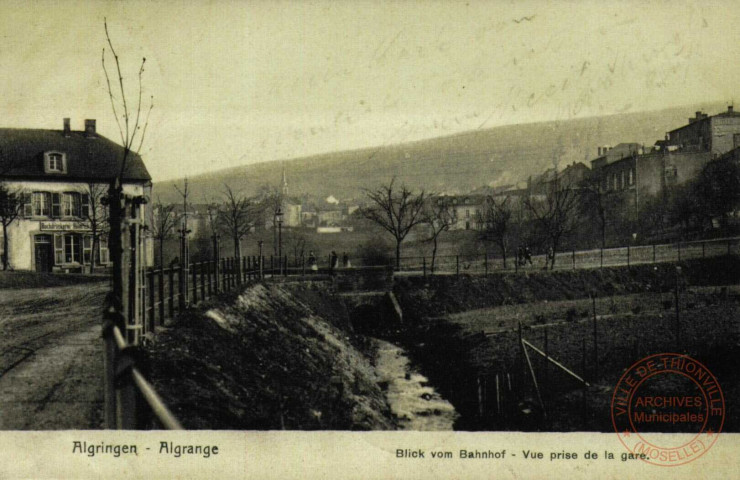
130	401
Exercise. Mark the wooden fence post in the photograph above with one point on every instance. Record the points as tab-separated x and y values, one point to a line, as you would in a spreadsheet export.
424	266
457	265
210	279
112	319
171	280
485	263
127	397
498	398
574	259
601	258
161	295
194	266
150	325
181	289
546	376
678	314
584	401
596	340
480	397
203	280
628	256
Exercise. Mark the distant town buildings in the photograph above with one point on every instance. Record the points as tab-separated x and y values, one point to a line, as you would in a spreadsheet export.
635	172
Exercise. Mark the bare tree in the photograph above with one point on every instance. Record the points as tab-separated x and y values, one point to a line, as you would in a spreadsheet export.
396	210
297	242
439	217
163	225
130	123
11	204
96	215
594	204
556	214
132	128
236	216
494	223
184	192
271	200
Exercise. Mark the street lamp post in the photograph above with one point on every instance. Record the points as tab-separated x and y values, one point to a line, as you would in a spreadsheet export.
279	218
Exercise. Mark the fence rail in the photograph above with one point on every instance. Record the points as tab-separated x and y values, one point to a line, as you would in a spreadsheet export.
487	262
131	402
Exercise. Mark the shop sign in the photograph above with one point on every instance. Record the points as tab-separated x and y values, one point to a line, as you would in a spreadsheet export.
64	226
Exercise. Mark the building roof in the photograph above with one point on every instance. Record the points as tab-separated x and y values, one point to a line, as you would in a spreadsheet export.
88	157
614	154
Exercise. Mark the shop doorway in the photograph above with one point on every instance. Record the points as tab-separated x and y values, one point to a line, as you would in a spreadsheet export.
44	253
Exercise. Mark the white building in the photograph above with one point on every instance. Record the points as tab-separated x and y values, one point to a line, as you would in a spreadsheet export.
54	170
464	209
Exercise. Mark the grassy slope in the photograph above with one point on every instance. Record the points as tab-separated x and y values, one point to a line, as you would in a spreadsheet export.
284	359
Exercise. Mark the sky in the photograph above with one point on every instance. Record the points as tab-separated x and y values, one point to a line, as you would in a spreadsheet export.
238	82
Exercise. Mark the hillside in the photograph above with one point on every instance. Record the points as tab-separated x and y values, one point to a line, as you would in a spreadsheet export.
456	163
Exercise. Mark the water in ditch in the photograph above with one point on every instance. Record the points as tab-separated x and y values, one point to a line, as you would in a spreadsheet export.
416	404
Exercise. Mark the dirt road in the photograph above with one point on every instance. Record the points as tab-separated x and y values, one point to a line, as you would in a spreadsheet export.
51	358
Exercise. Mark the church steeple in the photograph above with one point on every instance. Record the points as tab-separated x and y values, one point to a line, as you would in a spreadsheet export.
285	183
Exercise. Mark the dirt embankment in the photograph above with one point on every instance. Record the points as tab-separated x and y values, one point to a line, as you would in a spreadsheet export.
452	355
272	357
439	295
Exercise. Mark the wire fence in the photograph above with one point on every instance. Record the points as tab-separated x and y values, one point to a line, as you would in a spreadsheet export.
485	263
538	362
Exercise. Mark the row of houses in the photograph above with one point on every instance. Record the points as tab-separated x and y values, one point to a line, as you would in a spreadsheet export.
631	171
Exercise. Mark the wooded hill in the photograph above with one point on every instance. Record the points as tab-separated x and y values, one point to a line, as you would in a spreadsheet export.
452	164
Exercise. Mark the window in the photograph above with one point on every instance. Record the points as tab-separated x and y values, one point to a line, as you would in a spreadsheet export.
71	204
59	249
56	205
26	198
104	252
87	249
72	252
40	204
632	177
621	182
85	212
467	213
55	162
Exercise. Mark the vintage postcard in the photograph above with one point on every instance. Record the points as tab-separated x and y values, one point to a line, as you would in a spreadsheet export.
355	239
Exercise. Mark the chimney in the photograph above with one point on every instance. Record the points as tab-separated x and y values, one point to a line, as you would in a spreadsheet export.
66	127
90	127
729	108
599	151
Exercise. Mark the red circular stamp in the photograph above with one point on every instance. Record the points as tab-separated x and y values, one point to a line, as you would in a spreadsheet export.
667	409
